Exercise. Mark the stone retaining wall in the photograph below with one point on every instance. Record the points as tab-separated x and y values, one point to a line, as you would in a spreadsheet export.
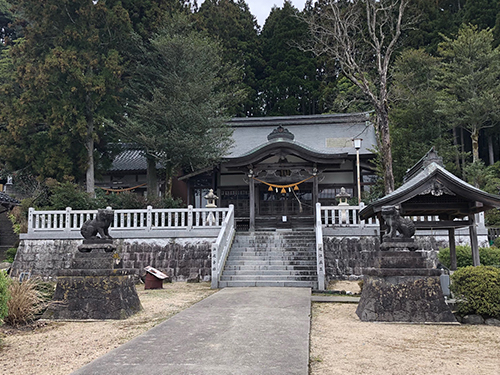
345	257
181	259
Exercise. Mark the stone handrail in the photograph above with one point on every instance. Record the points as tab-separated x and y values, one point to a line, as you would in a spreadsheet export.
222	246
320	256
147	220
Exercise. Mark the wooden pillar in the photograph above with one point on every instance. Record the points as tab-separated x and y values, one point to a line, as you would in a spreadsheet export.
251	183
453	249
473	241
315	189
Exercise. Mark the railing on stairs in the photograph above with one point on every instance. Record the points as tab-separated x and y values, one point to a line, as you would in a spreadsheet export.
320	255
221	247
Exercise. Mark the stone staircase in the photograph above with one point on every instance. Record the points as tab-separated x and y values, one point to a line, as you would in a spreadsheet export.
271	259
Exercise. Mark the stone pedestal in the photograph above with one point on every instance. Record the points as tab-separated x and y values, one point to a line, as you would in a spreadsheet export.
95	287
399	288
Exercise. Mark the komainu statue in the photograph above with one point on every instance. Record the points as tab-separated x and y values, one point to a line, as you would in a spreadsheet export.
99	225
396	223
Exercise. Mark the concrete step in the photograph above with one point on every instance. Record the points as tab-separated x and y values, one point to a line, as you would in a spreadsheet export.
270	272
264	267
269	283
266	257
273	248
271	262
266	278
238	253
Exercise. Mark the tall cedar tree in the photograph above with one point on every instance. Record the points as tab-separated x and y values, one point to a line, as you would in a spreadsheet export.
291	85
66	81
469	80
180	87
237	30
415	126
362	36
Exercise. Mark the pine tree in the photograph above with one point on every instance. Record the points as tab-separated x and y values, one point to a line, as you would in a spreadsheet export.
67	75
181	86
469	82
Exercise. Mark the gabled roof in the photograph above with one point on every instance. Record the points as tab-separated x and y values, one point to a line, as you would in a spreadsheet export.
7	201
432	190
320	134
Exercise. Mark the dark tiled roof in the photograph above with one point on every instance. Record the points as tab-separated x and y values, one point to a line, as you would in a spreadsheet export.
321	134
422	178
4	198
324	134
129	160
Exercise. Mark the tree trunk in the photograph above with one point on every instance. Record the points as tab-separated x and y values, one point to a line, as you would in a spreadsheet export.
89	145
474	135
152	177
385	140
462	149
490	150
457	153
168	180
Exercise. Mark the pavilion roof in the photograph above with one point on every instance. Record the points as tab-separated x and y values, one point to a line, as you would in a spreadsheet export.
430	189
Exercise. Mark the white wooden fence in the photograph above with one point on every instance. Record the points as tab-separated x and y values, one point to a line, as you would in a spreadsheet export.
144	220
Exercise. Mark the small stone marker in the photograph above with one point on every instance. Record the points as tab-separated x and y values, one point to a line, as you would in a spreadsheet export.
154	278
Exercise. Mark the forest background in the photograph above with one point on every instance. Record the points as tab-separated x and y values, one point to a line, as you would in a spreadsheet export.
79	76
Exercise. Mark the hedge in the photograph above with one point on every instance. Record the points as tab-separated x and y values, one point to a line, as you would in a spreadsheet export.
477	291
488	256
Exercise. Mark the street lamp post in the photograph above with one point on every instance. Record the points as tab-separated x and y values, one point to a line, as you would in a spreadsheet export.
357	146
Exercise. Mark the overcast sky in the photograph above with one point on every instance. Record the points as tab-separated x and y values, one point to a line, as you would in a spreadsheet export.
261	8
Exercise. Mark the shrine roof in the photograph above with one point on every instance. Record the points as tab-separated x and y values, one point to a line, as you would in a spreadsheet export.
6	199
429	178
320	134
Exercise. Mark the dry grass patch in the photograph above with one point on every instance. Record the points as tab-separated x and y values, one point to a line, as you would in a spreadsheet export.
342	344
58	348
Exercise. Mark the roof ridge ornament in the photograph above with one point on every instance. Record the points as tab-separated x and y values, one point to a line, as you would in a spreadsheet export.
280	132
432	157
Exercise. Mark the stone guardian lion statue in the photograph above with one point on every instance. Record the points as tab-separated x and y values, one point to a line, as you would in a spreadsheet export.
396	223
99	225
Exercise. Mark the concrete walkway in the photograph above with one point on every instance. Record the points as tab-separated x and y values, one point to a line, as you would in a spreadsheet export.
236	331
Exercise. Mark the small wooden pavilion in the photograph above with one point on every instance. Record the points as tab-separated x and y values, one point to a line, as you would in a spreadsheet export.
430	190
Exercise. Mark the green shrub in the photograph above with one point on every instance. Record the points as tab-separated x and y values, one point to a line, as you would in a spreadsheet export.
4	295
477	290
67	194
10	254
25	302
488	256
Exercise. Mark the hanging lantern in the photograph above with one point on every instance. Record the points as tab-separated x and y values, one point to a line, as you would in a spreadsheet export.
296	187
289	190
270	188
283	191
276	190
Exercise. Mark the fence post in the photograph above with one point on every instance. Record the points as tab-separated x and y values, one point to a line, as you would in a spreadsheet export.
361	222
30	220
149	218
190	218
215	274
68	220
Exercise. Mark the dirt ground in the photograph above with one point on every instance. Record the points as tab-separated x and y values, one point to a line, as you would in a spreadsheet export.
340	342
50	348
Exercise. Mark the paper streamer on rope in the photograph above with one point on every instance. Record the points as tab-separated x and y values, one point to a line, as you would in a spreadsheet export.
283	188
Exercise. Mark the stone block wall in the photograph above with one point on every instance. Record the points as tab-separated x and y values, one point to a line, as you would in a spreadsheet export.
179	258
345	257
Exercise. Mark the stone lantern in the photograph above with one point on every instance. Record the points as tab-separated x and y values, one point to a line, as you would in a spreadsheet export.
211	198
343	196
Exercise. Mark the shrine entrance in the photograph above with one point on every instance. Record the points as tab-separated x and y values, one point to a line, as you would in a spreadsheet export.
290	209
